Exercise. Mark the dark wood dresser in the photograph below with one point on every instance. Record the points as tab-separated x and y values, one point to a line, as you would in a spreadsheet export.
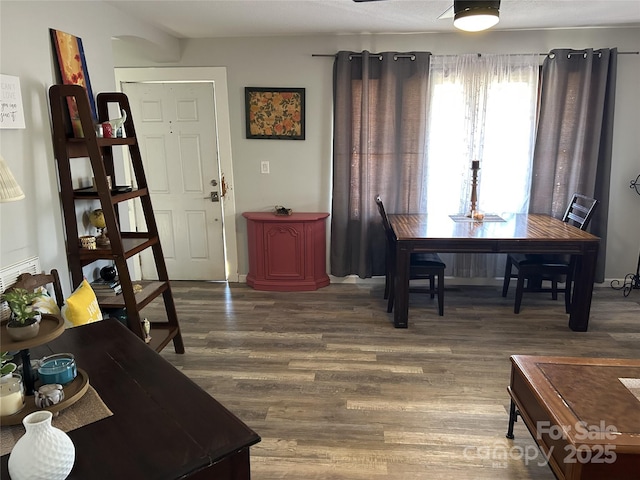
163	426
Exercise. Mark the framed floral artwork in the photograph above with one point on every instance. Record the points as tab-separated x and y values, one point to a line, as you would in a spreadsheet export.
73	71
274	113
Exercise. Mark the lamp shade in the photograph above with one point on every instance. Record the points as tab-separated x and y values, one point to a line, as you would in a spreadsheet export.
475	15
9	188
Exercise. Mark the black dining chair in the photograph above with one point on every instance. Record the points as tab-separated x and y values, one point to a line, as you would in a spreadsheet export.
538	267
423	266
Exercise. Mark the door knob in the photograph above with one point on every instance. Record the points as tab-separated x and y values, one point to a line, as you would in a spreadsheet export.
214	197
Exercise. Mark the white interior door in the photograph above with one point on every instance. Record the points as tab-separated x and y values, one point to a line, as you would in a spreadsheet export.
176	129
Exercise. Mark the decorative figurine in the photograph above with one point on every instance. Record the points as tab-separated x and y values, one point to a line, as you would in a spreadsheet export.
48	395
146	329
108	273
117	123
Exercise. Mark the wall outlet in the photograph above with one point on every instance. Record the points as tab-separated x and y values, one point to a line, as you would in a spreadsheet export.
264	167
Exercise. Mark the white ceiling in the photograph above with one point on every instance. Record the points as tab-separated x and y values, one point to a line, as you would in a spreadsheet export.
232	18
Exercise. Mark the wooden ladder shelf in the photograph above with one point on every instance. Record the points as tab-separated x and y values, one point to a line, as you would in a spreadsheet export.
123	244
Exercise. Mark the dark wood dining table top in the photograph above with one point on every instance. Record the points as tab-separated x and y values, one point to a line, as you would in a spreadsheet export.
445	234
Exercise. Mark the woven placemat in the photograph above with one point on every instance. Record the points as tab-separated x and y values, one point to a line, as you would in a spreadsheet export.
90	408
633	384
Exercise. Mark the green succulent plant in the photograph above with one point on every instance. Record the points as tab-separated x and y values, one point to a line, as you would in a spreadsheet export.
19	301
7	366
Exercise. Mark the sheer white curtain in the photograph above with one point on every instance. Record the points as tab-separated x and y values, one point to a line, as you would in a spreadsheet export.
481	108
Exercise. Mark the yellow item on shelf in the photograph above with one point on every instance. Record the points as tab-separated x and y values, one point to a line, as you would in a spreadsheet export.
82	306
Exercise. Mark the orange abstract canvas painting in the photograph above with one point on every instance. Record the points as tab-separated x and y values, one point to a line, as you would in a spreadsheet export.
73	71
274	113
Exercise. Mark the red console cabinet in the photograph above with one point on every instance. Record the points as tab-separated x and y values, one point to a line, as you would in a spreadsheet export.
287	252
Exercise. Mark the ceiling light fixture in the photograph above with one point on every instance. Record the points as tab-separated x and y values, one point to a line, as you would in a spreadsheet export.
474	16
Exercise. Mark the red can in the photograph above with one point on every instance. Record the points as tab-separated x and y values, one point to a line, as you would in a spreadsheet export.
107	131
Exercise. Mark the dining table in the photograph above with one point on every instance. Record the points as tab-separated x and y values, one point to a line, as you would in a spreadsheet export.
503	233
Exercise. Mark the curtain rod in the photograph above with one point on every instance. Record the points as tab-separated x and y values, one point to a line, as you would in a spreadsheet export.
408	55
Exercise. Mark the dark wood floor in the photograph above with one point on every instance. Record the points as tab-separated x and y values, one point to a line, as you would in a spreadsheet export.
337	393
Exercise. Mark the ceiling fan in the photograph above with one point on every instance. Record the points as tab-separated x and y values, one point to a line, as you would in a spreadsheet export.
469	15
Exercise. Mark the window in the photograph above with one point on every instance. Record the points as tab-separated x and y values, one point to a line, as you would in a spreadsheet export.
481	108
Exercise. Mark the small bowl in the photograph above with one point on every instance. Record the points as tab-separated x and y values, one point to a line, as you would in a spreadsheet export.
59	368
88	242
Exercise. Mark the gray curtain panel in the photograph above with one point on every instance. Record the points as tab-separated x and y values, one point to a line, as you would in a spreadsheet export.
380	122
574	138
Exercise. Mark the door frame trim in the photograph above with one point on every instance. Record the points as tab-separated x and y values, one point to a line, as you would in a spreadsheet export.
218	77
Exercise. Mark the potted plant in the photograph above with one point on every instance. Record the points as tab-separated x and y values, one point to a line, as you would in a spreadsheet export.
25	321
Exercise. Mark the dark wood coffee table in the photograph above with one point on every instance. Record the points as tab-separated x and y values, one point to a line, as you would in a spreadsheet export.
584	419
163	425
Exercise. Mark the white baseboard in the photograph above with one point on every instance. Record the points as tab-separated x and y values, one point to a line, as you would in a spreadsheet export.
451	281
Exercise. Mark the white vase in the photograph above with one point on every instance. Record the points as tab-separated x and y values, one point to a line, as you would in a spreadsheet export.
43	453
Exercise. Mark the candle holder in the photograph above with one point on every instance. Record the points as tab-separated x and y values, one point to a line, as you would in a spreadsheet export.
473	208
59	368
11	394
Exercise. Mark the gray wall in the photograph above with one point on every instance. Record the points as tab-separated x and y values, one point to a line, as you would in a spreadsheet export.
300	175
301	171
33	226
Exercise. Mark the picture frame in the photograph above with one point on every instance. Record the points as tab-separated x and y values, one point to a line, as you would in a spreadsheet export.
72	67
11	109
274	113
